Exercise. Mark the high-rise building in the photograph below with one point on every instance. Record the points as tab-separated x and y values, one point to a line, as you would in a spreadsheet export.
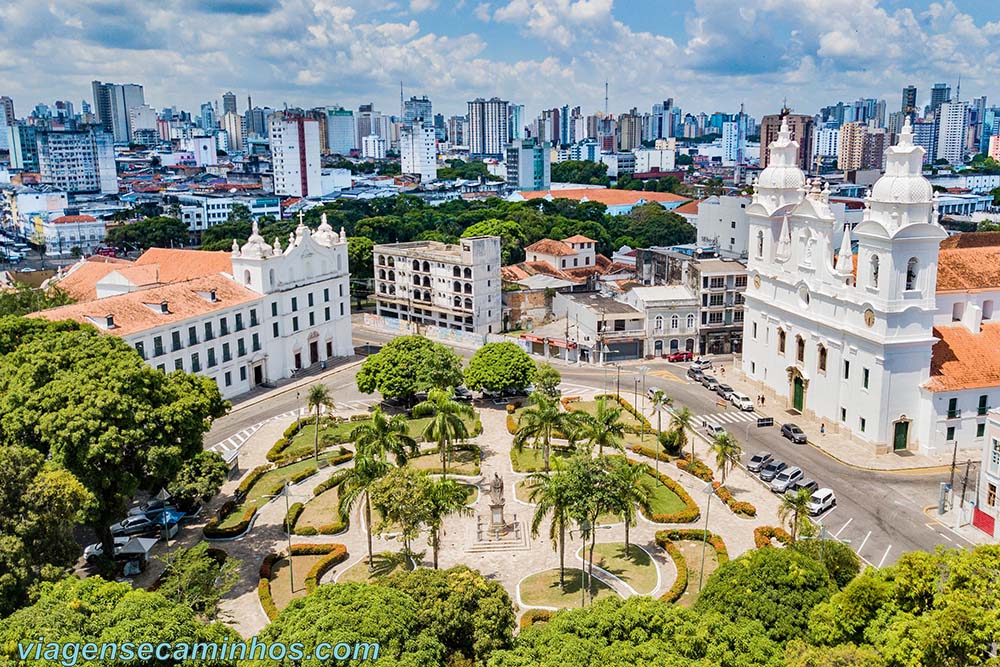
951	128
124	98
629	130
368	122
457	131
940	93
909	105
373	146
661	122
529	165
102	104
731	138
295	156
207	120
989	128
440	132
418	151
860	147
233	124
488	127
340	131
993	150
141	122
801	128
925	136
417	109
78	161
228	102
515	122
257	121
7	110
23	146
826	141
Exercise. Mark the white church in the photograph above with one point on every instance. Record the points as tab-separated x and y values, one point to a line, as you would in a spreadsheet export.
888	338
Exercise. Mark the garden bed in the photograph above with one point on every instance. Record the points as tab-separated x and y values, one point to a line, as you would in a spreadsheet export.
530	459
279	584
543	590
663	491
386	563
639	572
685	548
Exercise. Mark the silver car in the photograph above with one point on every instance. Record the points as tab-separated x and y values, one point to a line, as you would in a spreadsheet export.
784	478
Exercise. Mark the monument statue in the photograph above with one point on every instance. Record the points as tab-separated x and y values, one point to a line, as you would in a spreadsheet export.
496	490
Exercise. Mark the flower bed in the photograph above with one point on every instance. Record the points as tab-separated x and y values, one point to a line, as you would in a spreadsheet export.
264	586
665	540
696	467
764	536
533	616
687	515
334	554
738	507
646	451
644	425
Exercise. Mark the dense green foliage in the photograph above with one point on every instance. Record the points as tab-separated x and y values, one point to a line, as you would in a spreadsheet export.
159	232
197	578
23	299
409	364
984	164
547	379
840	561
499	367
472	171
199	478
584	172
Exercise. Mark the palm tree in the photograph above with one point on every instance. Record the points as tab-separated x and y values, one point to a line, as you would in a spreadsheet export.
382	435
794	511
727	452
444	497
356	485
318	398
604	428
660	403
551	494
543	422
629	493
680	422
446	426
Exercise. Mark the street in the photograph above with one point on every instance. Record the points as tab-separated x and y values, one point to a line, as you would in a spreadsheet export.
879	514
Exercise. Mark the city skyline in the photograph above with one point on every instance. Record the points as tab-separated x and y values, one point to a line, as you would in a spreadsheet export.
540	54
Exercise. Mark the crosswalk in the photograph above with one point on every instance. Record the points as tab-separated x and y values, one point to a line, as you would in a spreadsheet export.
733	417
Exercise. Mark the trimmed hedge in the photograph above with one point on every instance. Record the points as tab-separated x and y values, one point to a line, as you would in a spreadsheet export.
293	514
698	534
689	514
533	616
629	408
763	536
665	538
696	468
337	526
264	586
511	424
212	530
738	507
335	553
251	479
646	451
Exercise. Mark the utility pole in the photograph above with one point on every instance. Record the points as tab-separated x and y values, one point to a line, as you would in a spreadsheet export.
965	483
605	98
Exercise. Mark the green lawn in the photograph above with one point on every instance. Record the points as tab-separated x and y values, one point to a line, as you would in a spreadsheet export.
530	459
320	511
542	589
639	572
590	407
661	499
267	484
281	592
386	563
692	551
463	462
471	493
522	490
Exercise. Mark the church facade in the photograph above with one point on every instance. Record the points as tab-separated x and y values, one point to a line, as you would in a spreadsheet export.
884	336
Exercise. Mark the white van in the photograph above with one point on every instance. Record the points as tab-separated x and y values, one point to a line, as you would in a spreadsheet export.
821	501
741	401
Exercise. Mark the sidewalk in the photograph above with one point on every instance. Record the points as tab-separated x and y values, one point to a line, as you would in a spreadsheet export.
834	444
287	385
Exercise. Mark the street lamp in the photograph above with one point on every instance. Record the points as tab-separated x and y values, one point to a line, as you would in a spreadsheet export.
642	411
704	541
583	531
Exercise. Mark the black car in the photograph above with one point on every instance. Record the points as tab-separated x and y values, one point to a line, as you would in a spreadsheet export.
152	509
793	433
134	525
695	374
462	394
771	469
758	461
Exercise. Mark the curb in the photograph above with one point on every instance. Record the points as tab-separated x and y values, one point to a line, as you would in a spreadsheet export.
298	384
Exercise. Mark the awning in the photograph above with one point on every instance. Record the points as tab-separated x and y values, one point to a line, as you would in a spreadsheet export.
138	546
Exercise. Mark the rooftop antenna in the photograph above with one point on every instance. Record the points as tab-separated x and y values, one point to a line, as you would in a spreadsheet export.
958	89
401	100
605	97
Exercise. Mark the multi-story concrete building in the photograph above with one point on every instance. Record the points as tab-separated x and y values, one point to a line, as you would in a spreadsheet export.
602	328
860	147
452	286
243	318
228	102
7	110
23	146
199	212
418	151
295	155
671	317
417	110
801	128
340	131
488	127
662	157
373	146
234	124
65	233
78	161
529	164
951	128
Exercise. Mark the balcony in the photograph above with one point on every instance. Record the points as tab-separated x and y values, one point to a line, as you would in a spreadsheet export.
982	410
954	414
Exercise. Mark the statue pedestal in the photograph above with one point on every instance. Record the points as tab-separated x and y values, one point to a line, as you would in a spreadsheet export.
498	525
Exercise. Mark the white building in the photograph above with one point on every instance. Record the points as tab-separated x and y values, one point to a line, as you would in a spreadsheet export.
671	317
140	118
199	212
274	310
452	286
826	141
64	233
373	146
295	155
418	151
951	129
893	346
203	149
529	165
570	253
487	128
662	157
78	161
234	124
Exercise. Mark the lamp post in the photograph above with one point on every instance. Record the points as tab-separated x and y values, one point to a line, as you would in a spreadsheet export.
704	542
642	410
584	531
288	533
618	382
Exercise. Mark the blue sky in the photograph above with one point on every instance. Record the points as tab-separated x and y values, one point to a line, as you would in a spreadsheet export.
707	54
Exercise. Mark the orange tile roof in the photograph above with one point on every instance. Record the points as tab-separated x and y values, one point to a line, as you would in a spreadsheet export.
81	280
690	208
66	219
176	264
968	268
964	360
607	196
132	315
147	274
971	240
578	238
550	247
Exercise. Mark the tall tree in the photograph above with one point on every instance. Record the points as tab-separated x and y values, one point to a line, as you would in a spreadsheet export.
551	494
628	492
680	423
547	379
727	452
402	497
446	426
592	493
407	365
500	367
317	398
198	579
23	299
198	480
444	498
543	422
383	435
794	512
159	232
604	428
660	403
356	487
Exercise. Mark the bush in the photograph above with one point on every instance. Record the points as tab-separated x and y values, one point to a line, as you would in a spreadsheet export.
277	448
477	428
264	586
511	424
335	553
534	616
306	530
629	408
359	418
698	534
646	451
334	480
251	479
293	514
293	429
696	468
740	508
687	515
680	584
213	532
763	536
511	408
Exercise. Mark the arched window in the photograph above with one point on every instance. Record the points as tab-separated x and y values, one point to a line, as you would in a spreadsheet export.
381	288
246	277
381	259
690	322
427	267
468	272
458	302
760	245
458	286
391	262
270	277
381	274
674	322
821	358
468	288
468	304
873	272
800	349
427	281
392	275
911	274
781	341
457	272
416	265
659	323
416	280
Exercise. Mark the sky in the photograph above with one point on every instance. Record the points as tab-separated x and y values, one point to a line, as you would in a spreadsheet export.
708	55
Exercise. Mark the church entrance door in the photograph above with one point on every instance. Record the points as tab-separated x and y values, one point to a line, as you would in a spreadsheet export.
900	436
798	394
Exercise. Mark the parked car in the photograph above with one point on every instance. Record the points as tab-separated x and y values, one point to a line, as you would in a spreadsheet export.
758	461
784	478
134	525
809	485
771	469
651	392
702	364
694	374
709	382
724	391
741	401
151	509
94	551
713	429
680	356
821	501
462	394
793	433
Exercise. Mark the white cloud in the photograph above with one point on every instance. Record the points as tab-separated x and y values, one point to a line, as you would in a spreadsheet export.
482	11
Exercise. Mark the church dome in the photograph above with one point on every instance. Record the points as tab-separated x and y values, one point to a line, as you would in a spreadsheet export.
256	246
903	196
902	190
783	177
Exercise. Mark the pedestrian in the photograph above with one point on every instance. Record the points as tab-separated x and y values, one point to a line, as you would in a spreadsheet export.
822	428
723	370
762	400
